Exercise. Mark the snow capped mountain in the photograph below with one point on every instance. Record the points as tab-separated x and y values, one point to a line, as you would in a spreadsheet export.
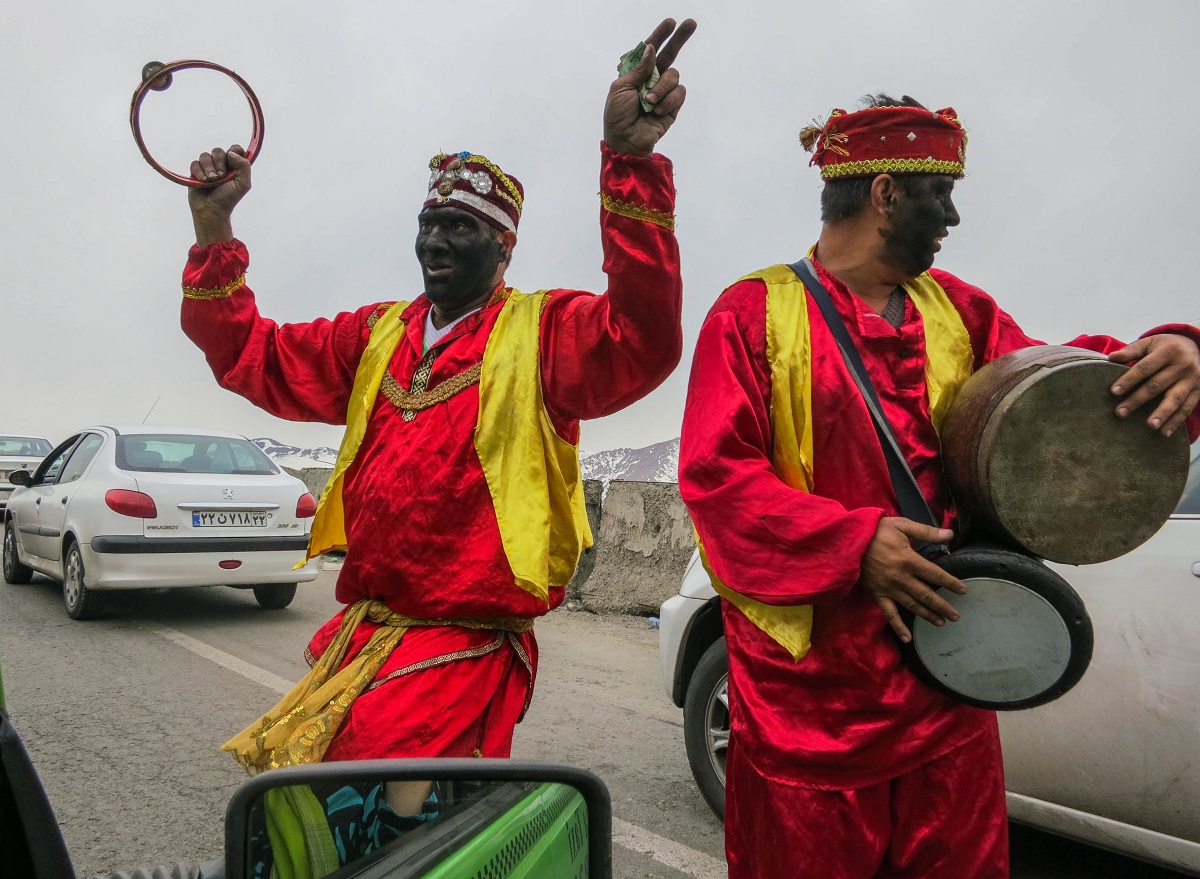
295	458
656	463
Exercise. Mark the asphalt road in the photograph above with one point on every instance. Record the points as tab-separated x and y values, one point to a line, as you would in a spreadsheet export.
125	715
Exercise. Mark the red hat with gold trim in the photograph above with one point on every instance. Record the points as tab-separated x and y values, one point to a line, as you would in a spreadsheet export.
474	184
888	140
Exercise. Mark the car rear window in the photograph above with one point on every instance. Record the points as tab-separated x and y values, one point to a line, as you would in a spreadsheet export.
24	446
177	453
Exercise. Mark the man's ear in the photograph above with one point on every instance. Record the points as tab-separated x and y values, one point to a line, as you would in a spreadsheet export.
508	241
884	192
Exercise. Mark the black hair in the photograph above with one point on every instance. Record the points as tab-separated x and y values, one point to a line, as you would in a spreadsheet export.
842	199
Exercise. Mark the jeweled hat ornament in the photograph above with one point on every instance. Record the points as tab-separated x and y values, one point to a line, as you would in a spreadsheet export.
887	140
475	184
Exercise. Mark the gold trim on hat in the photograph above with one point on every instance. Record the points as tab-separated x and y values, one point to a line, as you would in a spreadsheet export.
893	166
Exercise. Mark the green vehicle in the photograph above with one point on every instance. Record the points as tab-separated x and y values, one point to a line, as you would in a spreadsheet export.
544	833
492	819
495	829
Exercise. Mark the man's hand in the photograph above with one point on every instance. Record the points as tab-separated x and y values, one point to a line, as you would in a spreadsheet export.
626	128
896	574
213	206
1167	364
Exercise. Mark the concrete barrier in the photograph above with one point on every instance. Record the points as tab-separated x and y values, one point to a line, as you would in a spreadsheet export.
642	549
313	477
643	540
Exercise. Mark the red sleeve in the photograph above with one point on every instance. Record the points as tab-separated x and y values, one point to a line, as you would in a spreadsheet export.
765	540
601	353
994	333
302	372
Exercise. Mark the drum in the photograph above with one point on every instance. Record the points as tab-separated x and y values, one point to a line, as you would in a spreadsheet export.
1023	637
1036	456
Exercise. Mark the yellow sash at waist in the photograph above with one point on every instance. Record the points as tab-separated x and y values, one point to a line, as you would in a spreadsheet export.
299	729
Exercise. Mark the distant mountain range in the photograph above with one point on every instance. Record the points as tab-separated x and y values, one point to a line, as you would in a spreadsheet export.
294	457
656	463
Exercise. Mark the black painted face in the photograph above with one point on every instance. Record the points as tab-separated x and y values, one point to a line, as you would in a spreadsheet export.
459	255
922	217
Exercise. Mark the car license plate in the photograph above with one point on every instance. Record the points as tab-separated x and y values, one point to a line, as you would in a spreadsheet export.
228	519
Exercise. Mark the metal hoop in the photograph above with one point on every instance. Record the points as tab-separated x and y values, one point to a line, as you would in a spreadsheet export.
157	77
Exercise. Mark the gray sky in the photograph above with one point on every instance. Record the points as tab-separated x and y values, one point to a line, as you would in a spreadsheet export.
1078	211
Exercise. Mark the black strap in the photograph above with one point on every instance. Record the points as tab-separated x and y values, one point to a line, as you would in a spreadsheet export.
908	494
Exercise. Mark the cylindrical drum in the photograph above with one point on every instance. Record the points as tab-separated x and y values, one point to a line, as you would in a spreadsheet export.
1036	454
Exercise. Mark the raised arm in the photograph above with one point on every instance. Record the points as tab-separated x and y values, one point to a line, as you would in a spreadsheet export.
601	353
303	372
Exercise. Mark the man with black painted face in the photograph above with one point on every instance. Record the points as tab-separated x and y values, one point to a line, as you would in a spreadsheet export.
841	763
457	493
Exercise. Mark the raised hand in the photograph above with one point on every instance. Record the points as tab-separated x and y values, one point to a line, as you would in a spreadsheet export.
213	206
897	575
629	129
1167	365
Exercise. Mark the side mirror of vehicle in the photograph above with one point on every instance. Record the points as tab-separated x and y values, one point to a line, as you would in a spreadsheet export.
21	477
431	818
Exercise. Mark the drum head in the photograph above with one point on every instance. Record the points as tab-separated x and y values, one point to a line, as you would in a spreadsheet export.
1023	637
1070	481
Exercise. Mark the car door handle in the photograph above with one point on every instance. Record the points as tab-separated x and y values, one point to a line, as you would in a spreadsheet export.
1196	570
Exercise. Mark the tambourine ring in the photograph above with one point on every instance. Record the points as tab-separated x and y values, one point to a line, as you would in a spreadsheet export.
158	77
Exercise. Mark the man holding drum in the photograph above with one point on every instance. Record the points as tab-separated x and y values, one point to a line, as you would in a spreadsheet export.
841	762
457	490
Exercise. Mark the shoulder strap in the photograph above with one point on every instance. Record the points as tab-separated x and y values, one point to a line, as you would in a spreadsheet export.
908	494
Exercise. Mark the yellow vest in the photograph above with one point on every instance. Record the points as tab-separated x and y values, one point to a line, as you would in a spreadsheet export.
532	473
950	362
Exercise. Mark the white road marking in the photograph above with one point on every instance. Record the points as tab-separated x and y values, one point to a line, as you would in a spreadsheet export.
637	839
667	851
227	660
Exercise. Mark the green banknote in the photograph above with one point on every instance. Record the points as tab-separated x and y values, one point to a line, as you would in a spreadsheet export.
630	60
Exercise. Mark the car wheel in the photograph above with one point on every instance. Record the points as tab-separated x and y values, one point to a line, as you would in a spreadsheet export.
706	725
82	603
274	596
14	571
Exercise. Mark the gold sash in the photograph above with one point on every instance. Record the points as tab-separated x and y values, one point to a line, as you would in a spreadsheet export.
299	729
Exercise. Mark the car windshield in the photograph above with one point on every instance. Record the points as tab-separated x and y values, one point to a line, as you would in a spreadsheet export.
24	446
179	453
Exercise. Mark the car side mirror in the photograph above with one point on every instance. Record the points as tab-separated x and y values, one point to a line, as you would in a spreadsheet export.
22	478
432	818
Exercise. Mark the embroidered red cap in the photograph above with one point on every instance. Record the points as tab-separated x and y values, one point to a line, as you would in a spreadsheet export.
888	140
474	184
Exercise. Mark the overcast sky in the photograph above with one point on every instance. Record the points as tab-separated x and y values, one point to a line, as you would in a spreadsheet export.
1079	211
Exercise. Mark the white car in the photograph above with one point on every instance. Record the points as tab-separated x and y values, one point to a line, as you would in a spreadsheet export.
1113	763
19	453
158	507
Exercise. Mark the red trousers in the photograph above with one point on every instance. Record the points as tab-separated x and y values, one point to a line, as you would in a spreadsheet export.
946	819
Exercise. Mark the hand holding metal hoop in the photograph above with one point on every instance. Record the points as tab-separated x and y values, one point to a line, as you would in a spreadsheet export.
158	77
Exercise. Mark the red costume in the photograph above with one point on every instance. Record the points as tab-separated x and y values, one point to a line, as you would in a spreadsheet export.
421	526
841	764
